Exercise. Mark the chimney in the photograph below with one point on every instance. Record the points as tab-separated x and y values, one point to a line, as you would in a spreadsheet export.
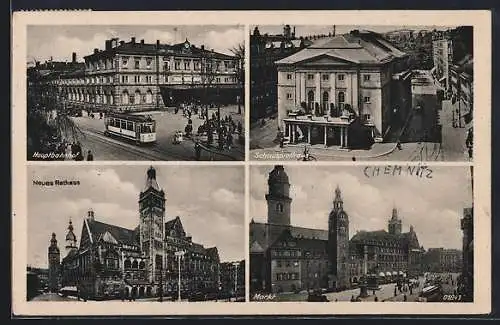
157	43
108	45
114	42
203	47
96	51
122	42
90	215
142	41
73	57
132	40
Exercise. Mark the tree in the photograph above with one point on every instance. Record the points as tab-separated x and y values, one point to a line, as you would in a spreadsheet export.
239	52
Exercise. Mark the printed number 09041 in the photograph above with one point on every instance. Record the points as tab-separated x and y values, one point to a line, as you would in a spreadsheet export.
452	297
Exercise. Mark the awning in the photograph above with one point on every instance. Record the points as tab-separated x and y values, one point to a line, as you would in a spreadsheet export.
394	273
400	272
69	288
381	274
388	273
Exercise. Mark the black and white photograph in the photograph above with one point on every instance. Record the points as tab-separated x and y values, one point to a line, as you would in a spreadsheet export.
133	92
389	233
349	92
135	233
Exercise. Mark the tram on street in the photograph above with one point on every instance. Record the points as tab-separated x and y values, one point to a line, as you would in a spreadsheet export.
138	128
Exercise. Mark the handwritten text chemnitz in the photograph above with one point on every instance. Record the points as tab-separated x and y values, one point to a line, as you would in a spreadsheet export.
420	171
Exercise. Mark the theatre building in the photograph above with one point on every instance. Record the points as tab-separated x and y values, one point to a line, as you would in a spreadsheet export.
344	91
110	260
137	76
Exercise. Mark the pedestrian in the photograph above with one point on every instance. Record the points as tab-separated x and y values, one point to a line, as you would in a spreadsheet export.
197	149
405	298
398	145
395	292
229	141
411	291
353	158
240	127
353	299
90	156
376	299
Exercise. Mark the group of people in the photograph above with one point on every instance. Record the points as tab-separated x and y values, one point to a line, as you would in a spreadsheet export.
77	152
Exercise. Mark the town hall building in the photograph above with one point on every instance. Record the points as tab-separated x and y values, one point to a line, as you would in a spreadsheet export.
289	258
111	260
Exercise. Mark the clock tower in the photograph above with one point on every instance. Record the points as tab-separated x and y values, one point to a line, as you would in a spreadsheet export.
278	197
338	243
152	224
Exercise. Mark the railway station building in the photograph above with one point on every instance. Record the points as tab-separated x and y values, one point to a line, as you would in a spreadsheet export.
137	76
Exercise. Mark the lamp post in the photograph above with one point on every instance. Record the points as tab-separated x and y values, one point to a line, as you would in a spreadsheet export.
308	254
235	264
180	255
364	285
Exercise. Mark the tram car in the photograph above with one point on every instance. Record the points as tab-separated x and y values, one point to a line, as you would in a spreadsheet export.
137	128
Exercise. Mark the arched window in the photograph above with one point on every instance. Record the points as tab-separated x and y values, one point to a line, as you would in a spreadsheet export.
125	97
142	265
279	207
137	97
158	262
341	97
111	99
149	97
135	265
325	98
128	264
105	99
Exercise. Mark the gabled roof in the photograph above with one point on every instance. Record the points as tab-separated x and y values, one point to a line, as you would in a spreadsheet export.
121	235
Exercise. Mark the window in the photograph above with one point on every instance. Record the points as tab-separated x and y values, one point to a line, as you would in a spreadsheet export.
288	96
340	77
124	79
177	64
366	77
366	99
137	64
325	77
279	207
125	97
289	76
196	65
186	65
124	62
149	79
278	263
148	63
288	264
341	97
149	97
310	77
137	79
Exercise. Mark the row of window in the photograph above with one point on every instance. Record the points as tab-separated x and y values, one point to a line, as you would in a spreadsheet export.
341	97
287	263
287	276
326	77
286	253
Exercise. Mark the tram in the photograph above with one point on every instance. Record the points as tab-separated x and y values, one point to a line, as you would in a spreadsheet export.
138	128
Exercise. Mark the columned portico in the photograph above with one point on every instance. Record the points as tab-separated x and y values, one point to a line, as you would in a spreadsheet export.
333	130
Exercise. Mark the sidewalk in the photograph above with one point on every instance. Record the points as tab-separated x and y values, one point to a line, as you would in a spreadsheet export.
453	138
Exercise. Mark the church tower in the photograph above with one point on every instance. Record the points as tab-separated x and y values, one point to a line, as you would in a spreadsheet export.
152	225
395	224
54	264
338	243
278	197
70	239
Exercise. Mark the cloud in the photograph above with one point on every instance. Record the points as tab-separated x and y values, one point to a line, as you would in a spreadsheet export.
433	206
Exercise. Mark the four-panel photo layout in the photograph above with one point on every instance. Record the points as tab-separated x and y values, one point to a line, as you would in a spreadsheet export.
249	163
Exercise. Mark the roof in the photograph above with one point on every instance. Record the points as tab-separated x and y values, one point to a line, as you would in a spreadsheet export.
263	235
130	117
122	235
383	236
356	47
138	48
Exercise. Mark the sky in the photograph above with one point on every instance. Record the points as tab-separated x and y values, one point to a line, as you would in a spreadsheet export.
59	42
434	206
339	29
208	199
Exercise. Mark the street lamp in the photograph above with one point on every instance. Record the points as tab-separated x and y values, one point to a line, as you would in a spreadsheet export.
308	254
180	255
236	264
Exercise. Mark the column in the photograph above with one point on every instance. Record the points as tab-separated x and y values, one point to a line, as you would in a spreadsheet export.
348	92
302	87
317	92
341	137
293	133
333	95
297	88
346	133
355	97
309	134
289	130
326	135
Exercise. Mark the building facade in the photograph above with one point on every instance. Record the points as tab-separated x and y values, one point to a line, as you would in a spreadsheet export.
265	50
443	260
136	76
54	259
467	225
287	258
112	261
442	50
232	277
341	83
